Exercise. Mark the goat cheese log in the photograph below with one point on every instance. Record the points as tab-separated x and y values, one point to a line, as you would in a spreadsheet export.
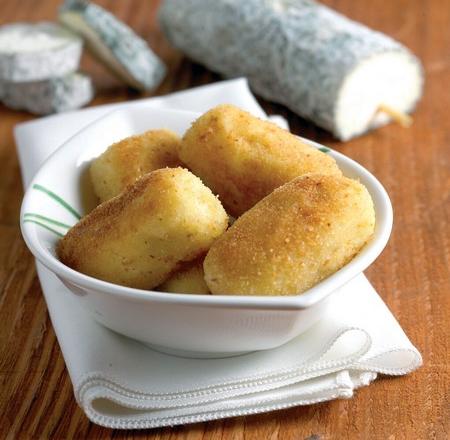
54	95
320	64
34	52
126	54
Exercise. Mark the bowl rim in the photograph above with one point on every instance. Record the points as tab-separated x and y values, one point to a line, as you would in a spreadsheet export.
304	300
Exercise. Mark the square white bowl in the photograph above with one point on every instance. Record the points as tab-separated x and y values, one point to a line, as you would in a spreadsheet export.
192	325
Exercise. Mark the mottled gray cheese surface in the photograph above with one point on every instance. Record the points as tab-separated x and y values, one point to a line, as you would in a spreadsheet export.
37	51
114	43
54	95
296	52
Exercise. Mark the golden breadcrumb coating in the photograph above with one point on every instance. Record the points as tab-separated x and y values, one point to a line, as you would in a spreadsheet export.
188	279
126	161
243	158
140	237
295	237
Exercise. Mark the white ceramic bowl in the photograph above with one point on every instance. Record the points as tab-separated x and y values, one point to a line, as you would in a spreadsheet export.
197	325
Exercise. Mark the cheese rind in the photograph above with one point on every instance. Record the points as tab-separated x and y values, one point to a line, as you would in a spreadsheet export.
48	96
323	66
34	52
126	54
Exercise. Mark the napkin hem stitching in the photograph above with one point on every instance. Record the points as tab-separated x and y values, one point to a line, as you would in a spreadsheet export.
413	365
235	383
129	423
215	394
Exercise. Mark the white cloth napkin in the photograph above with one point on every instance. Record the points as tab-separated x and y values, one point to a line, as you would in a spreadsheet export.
121	383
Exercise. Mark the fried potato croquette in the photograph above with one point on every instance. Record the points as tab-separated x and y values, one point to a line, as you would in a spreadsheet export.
189	279
243	158
126	161
140	237
300	234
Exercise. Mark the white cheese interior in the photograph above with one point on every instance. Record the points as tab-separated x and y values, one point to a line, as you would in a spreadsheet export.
31	38
392	78
75	22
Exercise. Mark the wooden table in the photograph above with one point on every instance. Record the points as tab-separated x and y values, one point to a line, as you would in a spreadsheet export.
412	275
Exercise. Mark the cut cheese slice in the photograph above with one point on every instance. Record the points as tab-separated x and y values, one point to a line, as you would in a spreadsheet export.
126	54
48	96
34	52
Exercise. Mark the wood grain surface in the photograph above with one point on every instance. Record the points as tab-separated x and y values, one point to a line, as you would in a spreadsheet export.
412	275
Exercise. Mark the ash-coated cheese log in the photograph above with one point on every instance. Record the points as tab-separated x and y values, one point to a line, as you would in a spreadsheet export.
53	95
126	54
34	52
323	66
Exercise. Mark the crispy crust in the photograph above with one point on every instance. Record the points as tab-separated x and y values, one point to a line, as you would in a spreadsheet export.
292	239
126	161
243	158
140	237
190	278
